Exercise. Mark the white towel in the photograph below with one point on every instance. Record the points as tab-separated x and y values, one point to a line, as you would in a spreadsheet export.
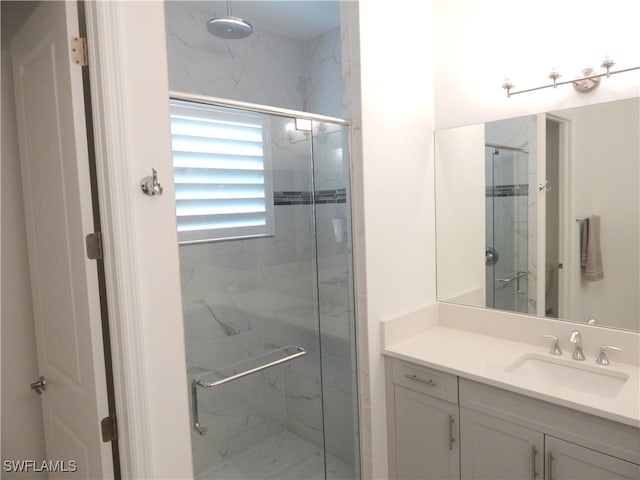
590	253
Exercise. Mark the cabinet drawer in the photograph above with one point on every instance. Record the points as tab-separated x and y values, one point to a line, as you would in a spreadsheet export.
425	380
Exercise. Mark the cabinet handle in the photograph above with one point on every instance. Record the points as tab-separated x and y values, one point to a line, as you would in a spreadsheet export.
415	378
451	437
549	464
534	452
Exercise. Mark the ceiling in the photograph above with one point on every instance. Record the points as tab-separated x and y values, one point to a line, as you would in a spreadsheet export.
299	19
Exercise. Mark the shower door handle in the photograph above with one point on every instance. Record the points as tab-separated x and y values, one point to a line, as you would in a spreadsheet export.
520	276
517	277
198	382
194	408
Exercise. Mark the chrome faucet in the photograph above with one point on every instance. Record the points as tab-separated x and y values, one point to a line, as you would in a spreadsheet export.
555	347
602	356
576	338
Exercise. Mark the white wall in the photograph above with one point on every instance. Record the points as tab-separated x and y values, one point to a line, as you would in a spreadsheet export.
397	181
605	158
460	223
479	43
22	427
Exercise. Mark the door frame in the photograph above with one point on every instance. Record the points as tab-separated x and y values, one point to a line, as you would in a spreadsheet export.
566	222
129	80
541	208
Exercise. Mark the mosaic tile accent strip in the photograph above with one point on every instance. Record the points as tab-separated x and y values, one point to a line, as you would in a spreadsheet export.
518	190
338	195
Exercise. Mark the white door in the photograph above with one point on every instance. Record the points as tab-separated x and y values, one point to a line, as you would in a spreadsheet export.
58	210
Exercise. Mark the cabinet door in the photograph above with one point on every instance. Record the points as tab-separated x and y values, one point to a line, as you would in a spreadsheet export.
569	461
426	436
493	449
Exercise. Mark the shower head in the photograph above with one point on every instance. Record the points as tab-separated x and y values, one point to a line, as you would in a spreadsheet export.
229	27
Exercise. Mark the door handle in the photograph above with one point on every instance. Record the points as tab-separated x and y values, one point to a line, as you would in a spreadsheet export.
520	275
451	437
39	386
415	378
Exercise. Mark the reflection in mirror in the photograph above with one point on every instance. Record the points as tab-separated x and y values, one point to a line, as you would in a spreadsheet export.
541	214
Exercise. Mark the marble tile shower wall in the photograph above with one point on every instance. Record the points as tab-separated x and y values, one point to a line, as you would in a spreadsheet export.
242	298
323	56
266	68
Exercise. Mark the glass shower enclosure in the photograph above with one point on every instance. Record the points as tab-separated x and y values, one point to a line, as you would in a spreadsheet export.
264	226
507	228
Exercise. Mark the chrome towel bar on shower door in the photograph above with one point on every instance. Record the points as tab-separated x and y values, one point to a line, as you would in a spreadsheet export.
291	352
517	277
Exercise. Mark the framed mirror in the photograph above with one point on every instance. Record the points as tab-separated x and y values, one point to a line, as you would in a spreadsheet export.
541	214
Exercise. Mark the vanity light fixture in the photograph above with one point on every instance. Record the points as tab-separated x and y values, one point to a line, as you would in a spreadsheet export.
587	82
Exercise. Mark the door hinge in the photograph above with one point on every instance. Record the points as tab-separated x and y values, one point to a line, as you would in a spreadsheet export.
109	428
94	246
79	52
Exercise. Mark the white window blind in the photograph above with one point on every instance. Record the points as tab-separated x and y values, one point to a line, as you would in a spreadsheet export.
223	187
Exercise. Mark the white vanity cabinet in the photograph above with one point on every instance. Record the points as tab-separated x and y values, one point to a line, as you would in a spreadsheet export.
566	461
443	427
494	449
424	423
568	444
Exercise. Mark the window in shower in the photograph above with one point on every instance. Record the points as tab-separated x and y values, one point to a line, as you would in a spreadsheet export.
220	162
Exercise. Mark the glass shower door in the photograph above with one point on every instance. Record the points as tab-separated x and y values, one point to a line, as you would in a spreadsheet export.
507	220
267	295
336	298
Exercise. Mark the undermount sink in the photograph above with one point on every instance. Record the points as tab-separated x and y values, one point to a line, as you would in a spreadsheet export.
550	373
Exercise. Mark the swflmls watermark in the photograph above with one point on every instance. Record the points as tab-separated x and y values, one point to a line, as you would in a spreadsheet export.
38	466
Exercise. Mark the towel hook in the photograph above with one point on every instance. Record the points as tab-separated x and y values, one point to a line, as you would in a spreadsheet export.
150	185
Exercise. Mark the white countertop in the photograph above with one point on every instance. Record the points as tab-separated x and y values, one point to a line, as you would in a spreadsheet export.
484	358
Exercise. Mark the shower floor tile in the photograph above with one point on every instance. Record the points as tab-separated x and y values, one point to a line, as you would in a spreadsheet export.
283	456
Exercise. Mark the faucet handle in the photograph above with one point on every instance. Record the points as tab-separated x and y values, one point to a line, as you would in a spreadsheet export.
602	356
555	348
